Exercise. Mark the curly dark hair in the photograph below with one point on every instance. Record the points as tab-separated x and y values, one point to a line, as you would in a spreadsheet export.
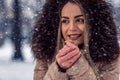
103	45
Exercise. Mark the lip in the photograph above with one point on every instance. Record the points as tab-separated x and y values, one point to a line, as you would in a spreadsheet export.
74	36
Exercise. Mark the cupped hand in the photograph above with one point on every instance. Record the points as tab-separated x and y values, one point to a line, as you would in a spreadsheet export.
68	55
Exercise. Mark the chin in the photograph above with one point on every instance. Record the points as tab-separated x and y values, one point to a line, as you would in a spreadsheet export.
77	43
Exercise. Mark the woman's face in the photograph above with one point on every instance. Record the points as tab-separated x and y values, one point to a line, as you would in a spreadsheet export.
73	24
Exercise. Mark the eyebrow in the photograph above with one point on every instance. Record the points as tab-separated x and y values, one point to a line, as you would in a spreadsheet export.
74	17
65	17
78	16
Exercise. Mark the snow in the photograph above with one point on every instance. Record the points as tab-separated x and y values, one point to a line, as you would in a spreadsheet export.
16	70
6	51
116	3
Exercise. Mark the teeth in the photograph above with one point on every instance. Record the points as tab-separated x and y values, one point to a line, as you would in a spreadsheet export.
74	36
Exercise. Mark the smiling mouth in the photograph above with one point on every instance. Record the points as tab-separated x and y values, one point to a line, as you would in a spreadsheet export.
74	36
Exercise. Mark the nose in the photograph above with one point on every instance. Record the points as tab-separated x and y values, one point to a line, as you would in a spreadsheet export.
73	26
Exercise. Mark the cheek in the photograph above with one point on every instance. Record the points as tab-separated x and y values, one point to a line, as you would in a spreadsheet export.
81	40
82	28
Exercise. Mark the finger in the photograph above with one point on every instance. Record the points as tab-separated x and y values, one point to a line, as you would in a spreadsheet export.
62	56
72	42
71	45
65	51
65	58
61	59
70	62
62	52
69	55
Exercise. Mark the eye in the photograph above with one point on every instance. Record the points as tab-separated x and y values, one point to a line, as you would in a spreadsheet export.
80	20
65	21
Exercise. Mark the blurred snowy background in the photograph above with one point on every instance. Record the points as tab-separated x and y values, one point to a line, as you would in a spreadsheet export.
17	18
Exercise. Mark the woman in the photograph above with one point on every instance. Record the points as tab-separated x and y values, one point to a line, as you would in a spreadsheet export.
76	40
